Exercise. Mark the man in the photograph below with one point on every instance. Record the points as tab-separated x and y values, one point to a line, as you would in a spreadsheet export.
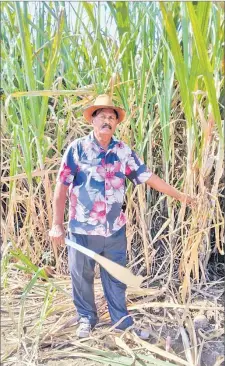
95	168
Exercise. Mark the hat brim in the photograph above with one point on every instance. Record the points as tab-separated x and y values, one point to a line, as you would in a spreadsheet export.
90	110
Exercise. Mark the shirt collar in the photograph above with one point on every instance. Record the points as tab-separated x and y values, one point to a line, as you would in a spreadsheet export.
112	143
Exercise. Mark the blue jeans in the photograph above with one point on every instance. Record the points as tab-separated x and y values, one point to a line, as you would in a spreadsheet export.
82	275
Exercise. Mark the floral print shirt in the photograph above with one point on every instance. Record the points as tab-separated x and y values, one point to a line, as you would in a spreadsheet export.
97	183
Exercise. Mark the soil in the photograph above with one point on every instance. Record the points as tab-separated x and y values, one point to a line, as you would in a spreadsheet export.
212	351
207	325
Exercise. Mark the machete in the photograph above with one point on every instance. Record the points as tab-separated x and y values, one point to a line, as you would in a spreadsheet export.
121	273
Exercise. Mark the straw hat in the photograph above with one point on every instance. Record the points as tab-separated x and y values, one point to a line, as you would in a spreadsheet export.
103	101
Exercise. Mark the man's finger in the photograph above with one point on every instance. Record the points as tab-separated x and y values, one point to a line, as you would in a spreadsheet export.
55	250
58	241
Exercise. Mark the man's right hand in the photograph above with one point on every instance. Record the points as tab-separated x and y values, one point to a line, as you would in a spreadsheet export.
57	234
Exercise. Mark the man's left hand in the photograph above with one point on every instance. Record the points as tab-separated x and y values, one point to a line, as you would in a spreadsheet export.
188	200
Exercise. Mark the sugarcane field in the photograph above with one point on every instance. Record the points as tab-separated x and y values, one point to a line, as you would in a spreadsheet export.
112	183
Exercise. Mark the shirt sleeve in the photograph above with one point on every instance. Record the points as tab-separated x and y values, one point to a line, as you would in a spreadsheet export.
136	171
68	168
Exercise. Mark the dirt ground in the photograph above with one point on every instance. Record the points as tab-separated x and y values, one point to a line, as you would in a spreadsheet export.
212	351
196	332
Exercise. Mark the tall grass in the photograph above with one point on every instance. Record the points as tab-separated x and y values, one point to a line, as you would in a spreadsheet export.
163	64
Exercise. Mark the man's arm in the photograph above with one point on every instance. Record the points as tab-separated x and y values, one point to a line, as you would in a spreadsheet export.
160	185
57	232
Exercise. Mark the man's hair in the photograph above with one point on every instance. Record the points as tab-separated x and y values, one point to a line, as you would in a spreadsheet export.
95	113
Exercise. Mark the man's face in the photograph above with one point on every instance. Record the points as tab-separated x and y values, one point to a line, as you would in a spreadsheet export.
105	122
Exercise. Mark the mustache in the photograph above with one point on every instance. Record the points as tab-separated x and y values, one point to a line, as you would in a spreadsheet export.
106	125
